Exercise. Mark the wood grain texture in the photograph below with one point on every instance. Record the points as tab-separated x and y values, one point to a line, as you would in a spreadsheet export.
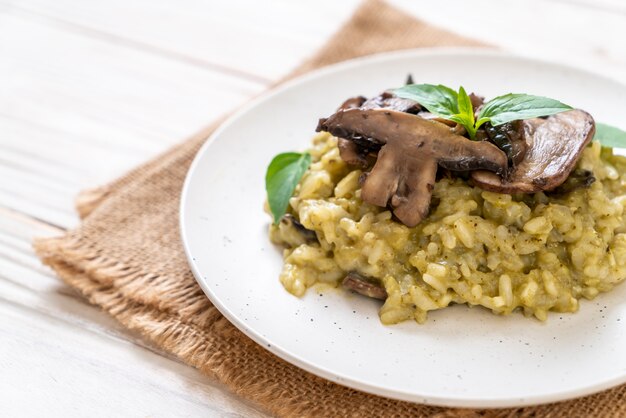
90	89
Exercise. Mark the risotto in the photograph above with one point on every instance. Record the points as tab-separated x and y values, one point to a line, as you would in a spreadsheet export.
531	253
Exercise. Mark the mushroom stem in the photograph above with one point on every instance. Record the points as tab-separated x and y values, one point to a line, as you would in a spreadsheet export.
412	148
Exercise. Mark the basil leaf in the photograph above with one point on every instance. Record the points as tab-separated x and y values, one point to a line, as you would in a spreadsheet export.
445	103
465	103
281	179
510	107
439	100
466	121
610	136
466	113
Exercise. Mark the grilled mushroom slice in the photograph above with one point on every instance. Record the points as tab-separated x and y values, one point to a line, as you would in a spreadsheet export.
352	154
355	153
364	286
390	101
552	147
510	139
385	100
411	148
578	179
293	233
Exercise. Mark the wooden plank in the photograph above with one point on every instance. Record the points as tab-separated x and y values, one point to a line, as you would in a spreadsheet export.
18	262
63	370
264	41
81	111
44	168
74	359
109	92
40	147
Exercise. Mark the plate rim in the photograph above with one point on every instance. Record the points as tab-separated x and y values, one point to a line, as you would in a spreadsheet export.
294	359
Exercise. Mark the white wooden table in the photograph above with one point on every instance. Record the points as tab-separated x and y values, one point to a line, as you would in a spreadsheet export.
89	89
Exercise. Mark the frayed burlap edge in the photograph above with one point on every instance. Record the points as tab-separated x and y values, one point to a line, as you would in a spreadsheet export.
241	364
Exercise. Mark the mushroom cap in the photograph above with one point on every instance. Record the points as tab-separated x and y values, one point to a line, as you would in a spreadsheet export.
411	149
553	146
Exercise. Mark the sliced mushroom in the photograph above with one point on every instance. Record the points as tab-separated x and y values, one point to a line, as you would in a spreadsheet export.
388	100
293	233
477	101
353	103
412	148
355	152
578	179
385	100
364	286
510	139
552	147
352	154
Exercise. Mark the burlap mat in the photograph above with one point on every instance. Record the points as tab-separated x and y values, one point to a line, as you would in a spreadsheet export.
127	258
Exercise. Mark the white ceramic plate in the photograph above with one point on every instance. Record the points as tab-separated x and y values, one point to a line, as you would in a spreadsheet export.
461	356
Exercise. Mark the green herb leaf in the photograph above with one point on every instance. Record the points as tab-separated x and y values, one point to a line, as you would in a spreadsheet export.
466	113
281	179
465	104
439	100
510	107
443	102
610	136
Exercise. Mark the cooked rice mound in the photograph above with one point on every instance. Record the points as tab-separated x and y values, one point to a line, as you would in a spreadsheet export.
533	252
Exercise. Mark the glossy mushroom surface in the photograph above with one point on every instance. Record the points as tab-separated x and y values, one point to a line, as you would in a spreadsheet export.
552	147
411	149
